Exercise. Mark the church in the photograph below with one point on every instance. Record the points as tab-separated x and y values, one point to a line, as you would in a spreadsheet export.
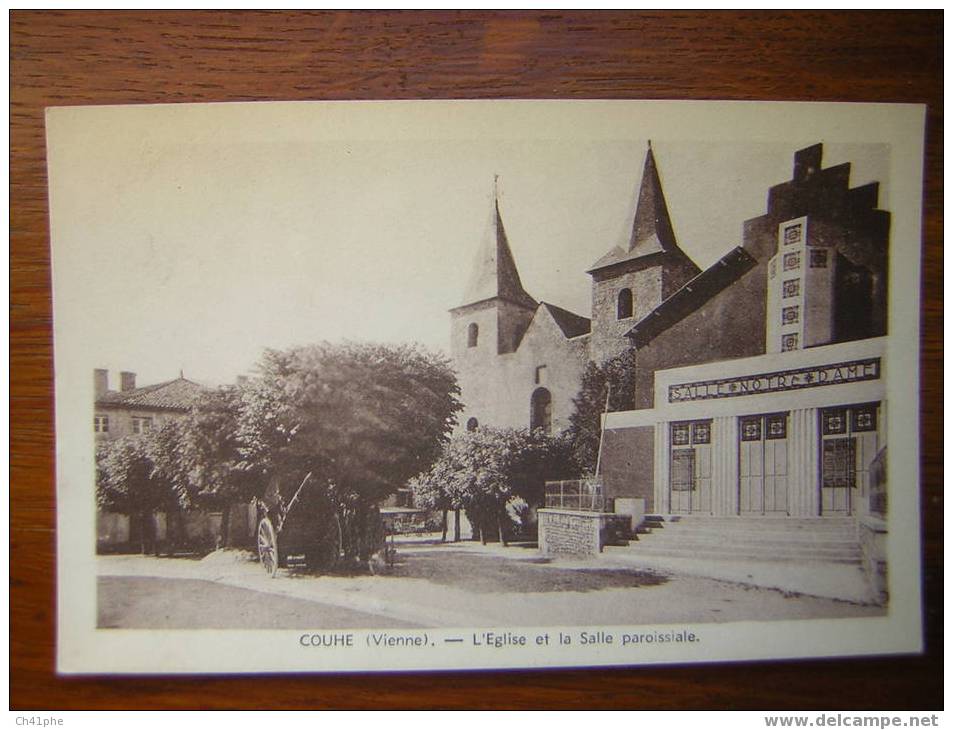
519	361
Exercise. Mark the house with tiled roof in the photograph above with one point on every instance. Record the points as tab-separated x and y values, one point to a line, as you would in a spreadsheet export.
132	410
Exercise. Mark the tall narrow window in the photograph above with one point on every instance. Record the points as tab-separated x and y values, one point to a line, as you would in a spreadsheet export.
541	410
624	305
473	334
540	375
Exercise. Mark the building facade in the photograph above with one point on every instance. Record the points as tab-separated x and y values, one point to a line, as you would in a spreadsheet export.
760	385
759	382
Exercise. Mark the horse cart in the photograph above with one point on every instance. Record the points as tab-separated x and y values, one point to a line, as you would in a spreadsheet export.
296	528
300	528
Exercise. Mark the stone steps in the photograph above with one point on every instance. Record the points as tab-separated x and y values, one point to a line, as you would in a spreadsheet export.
825	540
747	539
754	522
709	552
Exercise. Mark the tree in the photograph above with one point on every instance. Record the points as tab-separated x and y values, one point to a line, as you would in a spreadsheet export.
210	456
132	479
485	470
615	376
164	449
429	494
361	418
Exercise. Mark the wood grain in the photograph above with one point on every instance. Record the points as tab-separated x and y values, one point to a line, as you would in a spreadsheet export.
113	57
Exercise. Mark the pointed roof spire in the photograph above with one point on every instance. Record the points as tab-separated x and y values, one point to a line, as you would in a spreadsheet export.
652	228
652	231
494	273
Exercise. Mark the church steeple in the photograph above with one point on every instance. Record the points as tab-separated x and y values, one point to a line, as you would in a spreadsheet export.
652	231
494	274
638	274
652	228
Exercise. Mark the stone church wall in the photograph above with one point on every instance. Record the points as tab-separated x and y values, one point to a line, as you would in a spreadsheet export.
497	389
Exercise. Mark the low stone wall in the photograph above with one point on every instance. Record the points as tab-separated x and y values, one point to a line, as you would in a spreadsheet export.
872	535
196	528
112	528
572	532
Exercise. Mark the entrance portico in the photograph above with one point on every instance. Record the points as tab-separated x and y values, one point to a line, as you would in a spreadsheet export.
787	434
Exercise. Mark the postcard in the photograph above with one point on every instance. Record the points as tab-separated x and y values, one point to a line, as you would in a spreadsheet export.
426	385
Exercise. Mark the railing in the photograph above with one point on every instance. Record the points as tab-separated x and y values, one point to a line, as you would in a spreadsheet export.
577	494
877	498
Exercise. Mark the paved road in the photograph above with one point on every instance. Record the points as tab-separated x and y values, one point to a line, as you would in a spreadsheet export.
174	603
438	586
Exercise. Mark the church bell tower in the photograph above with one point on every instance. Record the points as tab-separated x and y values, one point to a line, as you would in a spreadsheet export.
490	323
631	280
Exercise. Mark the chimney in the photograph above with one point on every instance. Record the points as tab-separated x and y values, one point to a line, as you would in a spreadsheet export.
127	381
100	382
807	162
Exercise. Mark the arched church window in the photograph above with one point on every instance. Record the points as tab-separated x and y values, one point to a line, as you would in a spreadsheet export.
473	334
624	306
541	410
472	424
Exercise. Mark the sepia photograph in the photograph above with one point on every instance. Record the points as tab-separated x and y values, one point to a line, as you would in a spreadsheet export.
428	385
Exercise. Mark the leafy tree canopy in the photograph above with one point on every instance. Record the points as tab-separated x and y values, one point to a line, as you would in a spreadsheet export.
139	475
481	471
363	418
615	376
210	453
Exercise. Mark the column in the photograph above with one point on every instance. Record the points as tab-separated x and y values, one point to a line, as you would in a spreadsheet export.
662	457
803	464
724	465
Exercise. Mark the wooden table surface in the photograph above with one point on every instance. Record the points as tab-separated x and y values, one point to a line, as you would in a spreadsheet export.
116	57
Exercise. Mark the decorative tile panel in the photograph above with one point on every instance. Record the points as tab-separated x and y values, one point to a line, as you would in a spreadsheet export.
864	418
701	432
833	421
751	428
792	234
776	426
680	434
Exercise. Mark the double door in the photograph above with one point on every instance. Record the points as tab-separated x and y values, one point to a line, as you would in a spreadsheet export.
848	445
763	464
690	467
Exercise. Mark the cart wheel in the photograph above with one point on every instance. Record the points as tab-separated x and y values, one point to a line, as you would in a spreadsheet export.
268	546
